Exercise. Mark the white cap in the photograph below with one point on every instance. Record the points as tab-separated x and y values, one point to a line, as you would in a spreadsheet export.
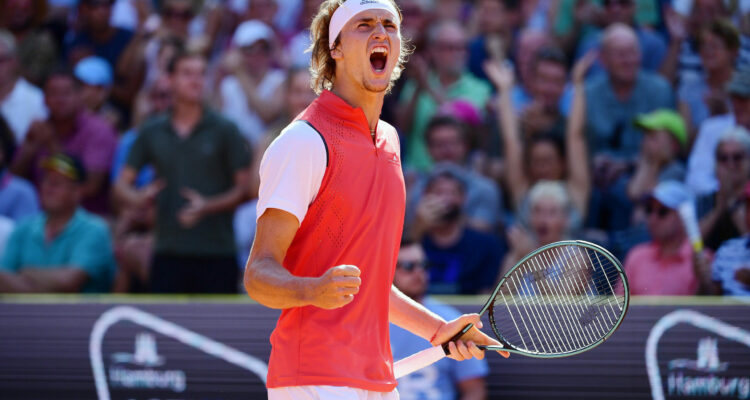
349	9
249	32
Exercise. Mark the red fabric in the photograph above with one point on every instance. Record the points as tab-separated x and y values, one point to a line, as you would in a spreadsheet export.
650	274
356	218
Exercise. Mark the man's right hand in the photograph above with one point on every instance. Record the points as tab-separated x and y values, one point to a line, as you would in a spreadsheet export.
336	287
147	194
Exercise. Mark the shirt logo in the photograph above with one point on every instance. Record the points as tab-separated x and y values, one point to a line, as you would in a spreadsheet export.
394	160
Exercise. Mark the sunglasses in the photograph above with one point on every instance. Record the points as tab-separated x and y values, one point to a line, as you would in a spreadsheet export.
723	158
660	211
409	266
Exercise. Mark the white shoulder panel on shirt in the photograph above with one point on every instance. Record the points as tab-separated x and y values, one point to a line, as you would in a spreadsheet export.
292	170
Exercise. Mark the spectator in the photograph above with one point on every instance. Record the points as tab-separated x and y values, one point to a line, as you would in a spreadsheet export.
653	46
701	164
545	109
704	96
17	196
624	91
447	80
730	274
549	218
724	220
664	138
251	95
72	128
296	49
464	261
201	163
544	157
497	22
96	36
21	103
64	249
667	265
96	80
448	144
530	43
36	47
446	379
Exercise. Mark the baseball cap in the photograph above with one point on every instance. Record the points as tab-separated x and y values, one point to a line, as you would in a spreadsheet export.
250	32
94	71
663	120
739	85
671	194
67	165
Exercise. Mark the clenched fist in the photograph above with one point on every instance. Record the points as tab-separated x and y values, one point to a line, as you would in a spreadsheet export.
336	287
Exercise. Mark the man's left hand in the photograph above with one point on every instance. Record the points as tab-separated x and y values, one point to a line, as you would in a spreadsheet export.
194	210
466	347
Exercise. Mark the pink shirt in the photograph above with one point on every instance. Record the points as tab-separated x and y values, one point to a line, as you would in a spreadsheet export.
653	275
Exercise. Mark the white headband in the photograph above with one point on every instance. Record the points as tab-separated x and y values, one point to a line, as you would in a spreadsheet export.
349	9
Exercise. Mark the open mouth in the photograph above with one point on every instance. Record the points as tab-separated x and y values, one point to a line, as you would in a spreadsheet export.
378	58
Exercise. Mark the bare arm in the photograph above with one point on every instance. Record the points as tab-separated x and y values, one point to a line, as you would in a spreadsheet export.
579	176
502	77
473	389
270	284
644	180
62	279
702	268
676	26
266	108
413	316
125	193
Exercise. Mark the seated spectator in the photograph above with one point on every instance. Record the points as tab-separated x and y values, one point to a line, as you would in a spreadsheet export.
667	265
447	378
463	260
96	80
543	157
704	96
549	218
72	128
17	196
664	137
730	273
448	144
96	35
21	103
64	249
625	90
721	211
701	176
251	95
447	79
201	163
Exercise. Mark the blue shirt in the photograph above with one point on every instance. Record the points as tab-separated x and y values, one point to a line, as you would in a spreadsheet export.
145	175
732	256
17	197
609	120
84	243
437	381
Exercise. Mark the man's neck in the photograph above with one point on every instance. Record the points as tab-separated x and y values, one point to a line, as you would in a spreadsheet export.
671	245
622	89
370	102
6	88
102	35
185	116
448	234
448	79
56	222
718	77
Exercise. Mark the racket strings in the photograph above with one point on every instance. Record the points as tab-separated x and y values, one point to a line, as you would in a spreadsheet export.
560	300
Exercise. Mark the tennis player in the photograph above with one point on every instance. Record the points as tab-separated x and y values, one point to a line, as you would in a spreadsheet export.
331	210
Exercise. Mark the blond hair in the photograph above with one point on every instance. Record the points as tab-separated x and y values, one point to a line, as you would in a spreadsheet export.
322	64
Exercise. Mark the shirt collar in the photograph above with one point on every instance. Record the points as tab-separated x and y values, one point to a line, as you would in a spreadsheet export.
354	116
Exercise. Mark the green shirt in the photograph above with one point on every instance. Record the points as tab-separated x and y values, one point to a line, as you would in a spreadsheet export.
85	243
467	87
206	161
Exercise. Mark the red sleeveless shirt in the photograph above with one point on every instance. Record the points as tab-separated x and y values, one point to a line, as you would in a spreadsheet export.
356	218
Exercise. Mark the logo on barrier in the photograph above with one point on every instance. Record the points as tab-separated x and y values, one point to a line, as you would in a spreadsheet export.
706	375
146	356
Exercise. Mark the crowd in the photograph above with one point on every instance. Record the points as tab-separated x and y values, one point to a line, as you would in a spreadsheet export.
132	133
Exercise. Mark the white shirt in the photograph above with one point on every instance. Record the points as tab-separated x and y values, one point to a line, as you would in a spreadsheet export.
292	170
23	105
236	108
701	177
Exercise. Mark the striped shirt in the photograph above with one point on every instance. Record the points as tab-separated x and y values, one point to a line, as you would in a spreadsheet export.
732	256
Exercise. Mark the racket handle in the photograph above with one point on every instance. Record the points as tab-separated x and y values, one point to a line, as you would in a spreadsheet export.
418	361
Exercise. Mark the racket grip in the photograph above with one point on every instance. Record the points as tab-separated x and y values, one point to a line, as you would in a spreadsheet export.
418	361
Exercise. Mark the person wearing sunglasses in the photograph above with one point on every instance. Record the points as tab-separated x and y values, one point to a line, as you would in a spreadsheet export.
667	265
730	273
446	379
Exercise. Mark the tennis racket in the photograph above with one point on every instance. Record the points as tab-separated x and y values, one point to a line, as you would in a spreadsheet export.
560	300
